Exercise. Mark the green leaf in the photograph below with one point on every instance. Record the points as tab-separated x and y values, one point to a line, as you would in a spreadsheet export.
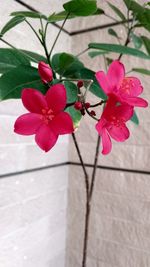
76	116
12	82
59	16
66	64
135	119
142	14
142	71
29	14
113	33
127	3
120	49
95	87
63	14
93	54
136	40
81	7
146	42
11	58
144	19
117	11
135	7
72	91
11	23
33	57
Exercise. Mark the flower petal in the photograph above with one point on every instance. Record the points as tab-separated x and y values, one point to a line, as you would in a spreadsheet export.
103	81
119	134
116	73
45	138
131	86
27	124
124	111
45	72
106	143
136	101
62	123
100	126
33	100
56	98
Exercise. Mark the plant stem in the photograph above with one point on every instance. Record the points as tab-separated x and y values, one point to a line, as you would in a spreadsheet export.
94	168
34	31
58	35
82	164
88	205
86	231
82	52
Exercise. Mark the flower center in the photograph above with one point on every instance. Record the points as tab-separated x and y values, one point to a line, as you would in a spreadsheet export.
115	121
47	115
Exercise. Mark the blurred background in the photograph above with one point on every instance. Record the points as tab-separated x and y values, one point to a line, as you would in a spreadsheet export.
42	212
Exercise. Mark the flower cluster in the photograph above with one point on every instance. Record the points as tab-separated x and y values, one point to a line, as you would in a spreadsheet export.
122	95
47	118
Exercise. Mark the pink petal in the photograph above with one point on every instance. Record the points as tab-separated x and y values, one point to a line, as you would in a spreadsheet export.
62	123
119	134
131	86
33	100
136	101
103	81
27	124
116	73
106	143
100	126
45	72
56	98
124	111
45	138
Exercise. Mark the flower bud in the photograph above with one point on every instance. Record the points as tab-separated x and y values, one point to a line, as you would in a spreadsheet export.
93	113
78	105
80	84
87	105
45	72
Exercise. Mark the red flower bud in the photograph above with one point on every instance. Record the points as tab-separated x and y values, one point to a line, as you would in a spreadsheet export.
80	84
78	105
45	72
93	113
87	105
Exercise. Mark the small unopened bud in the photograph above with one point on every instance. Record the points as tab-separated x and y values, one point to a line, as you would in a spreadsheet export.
78	105
80	84
87	105
45	72
82	112
93	113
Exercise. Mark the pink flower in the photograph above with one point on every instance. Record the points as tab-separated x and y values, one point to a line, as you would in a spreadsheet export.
127	89
45	72
46	118
112	123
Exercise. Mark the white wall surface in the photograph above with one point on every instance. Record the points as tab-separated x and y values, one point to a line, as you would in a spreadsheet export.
33	205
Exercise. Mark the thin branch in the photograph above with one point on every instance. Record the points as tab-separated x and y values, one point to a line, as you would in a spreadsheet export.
98	104
94	168
82	164
34	31
58	35
82	52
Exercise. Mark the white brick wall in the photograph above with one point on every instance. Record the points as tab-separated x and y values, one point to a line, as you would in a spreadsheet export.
32	205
